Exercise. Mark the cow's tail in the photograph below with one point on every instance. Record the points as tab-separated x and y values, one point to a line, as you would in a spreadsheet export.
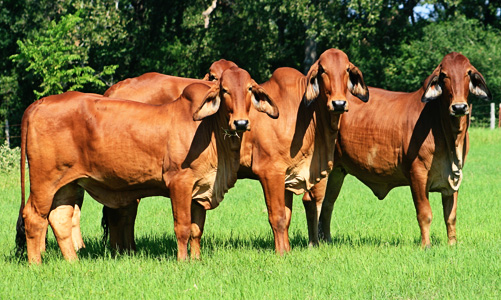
105	225
20	230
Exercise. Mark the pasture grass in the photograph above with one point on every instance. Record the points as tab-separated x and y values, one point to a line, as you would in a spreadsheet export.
375	251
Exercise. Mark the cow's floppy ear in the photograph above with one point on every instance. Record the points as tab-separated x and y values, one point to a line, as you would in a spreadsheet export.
312	88
209	77
263	102
433	89
478	86
356	83
210	104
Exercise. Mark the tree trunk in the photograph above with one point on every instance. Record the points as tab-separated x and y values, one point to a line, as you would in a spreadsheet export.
310	53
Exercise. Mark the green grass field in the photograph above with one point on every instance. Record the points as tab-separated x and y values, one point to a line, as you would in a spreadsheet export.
375	252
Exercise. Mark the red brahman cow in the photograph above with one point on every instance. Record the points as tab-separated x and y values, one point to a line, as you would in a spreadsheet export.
292	153
417	139
119	151
152	88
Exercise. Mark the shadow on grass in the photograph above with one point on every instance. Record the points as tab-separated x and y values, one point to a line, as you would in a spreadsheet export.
378	241
165	247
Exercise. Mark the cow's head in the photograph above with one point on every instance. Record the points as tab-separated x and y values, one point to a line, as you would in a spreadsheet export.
452	81
217	68
236	92
330	77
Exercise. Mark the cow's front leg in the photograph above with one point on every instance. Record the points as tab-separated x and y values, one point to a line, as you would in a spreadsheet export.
120	223
327	201
35	224
180	194
312	202
422	205
129	222
274	187
198	214
449	204
288	196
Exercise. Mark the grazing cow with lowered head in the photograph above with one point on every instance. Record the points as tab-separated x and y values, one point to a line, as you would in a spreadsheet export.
417	139
119	151
152	88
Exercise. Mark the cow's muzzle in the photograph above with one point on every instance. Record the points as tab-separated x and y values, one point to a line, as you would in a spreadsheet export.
459	109
241	125
339	106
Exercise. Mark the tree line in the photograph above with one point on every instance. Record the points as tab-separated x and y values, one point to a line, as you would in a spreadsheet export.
48	47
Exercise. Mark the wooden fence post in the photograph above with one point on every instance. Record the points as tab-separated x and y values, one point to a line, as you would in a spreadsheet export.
493	116
7	132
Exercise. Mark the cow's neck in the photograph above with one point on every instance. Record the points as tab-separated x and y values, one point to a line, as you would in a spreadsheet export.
222	163
321	129
455	130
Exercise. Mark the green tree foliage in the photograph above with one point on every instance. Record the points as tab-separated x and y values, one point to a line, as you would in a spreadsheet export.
60	45
60	58
419	57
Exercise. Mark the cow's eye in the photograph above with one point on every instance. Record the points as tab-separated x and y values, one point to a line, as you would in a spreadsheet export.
225	90
250	89
212	77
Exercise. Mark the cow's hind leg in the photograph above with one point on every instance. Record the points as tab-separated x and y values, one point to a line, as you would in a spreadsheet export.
43	238
35	219
450	204
76	231
60	218
198	214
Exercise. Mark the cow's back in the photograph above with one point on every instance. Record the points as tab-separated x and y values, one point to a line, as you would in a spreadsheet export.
108	144
152	88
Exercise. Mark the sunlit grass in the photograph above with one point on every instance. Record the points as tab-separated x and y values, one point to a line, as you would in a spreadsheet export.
375	251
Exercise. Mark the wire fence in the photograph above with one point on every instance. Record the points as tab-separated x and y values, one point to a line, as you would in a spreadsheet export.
481	116
485	115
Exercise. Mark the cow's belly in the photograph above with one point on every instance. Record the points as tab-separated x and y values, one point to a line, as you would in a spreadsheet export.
381	180
120	195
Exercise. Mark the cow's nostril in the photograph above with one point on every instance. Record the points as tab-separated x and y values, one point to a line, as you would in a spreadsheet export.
241	125
339	105
459	109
